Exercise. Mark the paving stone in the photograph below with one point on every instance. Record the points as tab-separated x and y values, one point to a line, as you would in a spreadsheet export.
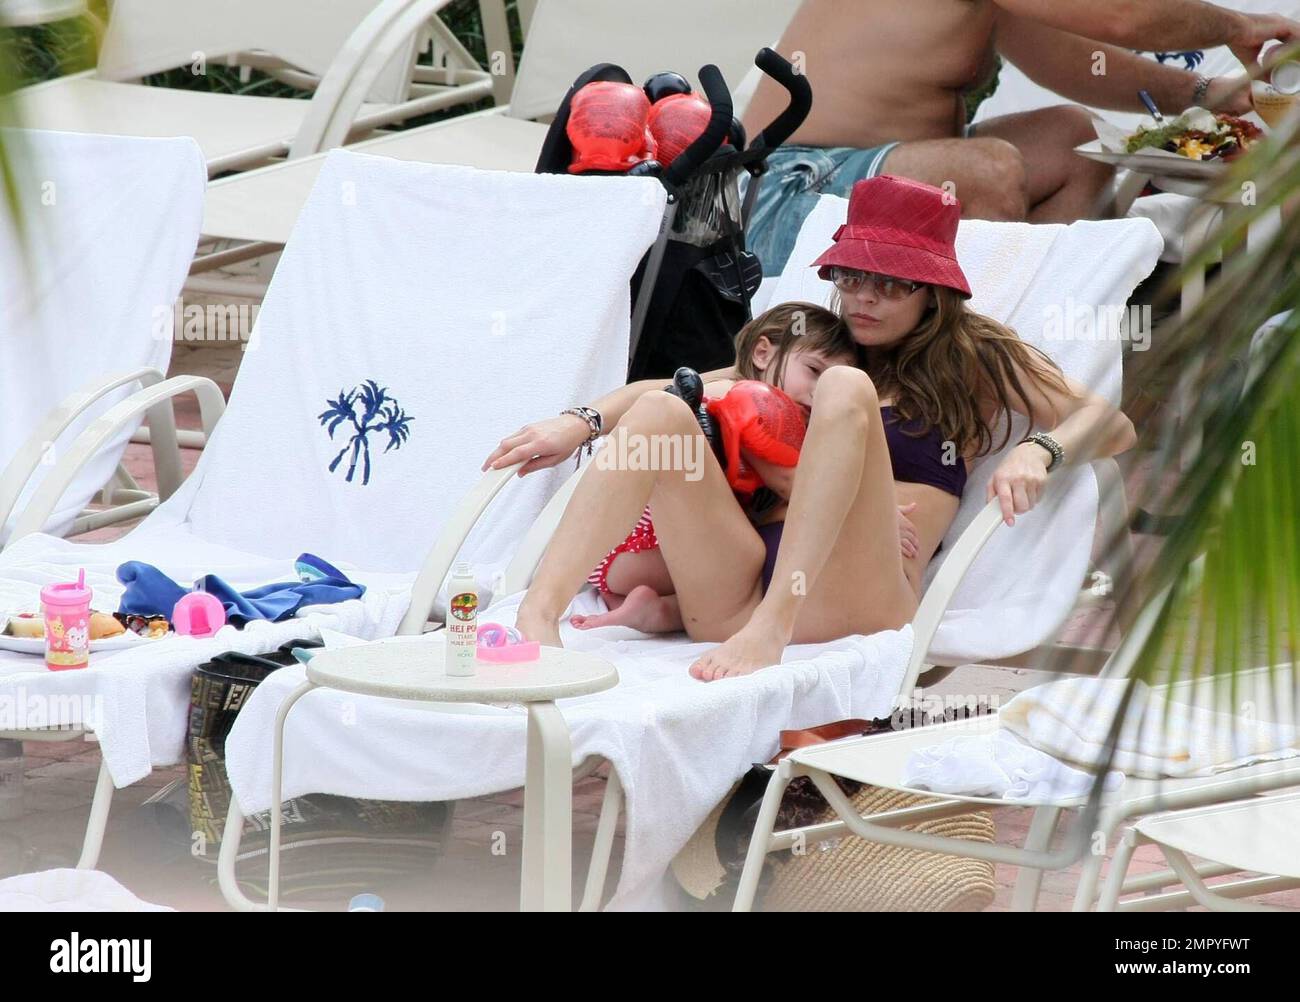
72	769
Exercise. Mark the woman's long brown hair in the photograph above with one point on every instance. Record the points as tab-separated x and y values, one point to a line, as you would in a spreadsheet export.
955	360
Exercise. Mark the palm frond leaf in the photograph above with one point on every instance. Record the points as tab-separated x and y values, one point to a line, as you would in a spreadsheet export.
1222	591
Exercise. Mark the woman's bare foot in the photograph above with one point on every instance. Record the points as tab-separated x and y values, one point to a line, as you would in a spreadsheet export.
643	609
755	647
544	629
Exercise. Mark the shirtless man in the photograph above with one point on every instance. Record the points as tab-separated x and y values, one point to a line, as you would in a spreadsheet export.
889	79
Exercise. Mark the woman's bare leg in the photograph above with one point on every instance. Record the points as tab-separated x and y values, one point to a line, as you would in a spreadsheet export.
713	554
839	570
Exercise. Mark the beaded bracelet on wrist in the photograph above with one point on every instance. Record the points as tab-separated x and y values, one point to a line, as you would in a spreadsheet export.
594	423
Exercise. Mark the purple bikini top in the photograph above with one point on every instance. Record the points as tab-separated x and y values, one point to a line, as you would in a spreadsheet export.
919	459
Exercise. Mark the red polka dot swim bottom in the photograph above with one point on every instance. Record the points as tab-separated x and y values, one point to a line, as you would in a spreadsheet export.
641	538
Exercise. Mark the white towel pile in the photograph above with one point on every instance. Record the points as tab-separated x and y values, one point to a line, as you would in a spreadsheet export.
1071	719
68	890
86	290
998	765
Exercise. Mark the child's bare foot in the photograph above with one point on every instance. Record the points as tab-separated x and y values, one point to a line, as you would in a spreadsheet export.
755	647
544	629
643	609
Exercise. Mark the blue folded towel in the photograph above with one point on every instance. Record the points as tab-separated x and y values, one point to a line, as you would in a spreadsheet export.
150	592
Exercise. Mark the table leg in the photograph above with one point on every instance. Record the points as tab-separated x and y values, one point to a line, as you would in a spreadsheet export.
547	882
277	777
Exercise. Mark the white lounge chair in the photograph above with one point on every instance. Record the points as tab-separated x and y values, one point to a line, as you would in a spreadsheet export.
564	37
335	42
881	761
1256	835
108	226
970	586
418	330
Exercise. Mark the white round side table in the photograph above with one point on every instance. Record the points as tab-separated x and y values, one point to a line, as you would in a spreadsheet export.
414	671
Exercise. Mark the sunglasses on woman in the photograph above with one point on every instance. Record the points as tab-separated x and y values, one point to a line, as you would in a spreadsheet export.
851	281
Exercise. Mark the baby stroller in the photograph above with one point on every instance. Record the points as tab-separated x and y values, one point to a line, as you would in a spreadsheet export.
692	293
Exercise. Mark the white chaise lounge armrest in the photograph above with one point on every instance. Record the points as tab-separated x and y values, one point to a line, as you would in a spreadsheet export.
36	449
336	105
934	603
156	400
450	539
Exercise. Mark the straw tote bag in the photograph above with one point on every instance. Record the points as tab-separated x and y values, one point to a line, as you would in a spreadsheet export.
848	874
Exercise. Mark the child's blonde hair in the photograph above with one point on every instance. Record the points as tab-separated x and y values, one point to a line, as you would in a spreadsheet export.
790	327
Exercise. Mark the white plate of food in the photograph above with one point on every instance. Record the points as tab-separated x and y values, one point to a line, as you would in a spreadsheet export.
24	633
1198	145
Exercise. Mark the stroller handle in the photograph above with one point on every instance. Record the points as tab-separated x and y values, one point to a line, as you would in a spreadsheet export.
719	94
796	84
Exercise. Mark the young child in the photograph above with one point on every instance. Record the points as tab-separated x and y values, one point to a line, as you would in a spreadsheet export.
789	347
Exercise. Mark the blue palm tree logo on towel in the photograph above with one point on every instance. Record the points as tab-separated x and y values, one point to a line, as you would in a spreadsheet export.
1191	59
371	411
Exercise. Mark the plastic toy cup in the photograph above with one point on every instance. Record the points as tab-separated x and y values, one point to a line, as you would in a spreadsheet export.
66	608
198	614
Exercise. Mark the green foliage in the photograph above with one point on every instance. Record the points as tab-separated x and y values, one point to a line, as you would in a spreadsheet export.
42	52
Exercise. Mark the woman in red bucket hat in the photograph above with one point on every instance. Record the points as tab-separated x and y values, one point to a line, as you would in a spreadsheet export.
887	440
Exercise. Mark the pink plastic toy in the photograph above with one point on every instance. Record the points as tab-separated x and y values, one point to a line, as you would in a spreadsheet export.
499	644
198	614
66	608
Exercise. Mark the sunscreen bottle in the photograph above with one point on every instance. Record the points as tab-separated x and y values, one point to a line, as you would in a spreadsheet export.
462	621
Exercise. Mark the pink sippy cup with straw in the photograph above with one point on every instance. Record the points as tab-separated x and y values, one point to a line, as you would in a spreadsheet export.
66	608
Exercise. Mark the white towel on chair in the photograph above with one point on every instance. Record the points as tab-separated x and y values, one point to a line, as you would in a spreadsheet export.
1071	719
997	765
478	300
68	890
137	700
676	743
110	227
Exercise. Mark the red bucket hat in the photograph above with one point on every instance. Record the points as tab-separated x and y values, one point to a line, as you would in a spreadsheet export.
902	228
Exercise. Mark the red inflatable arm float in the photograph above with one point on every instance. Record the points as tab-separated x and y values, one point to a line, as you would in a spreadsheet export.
677	121
608	127
764	422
